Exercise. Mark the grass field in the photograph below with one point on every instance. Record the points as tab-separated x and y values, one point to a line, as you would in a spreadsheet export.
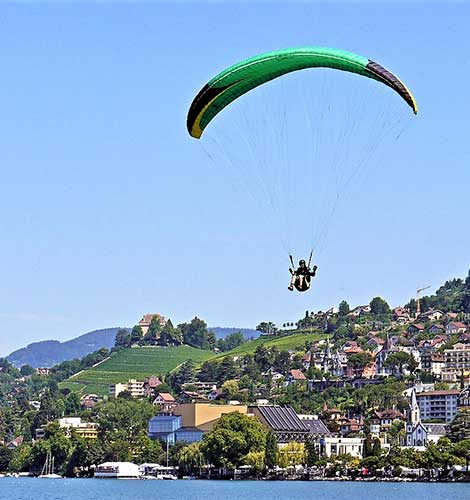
137	363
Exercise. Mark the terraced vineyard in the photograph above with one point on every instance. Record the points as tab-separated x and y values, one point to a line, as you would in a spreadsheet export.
282	342
140	362
137	363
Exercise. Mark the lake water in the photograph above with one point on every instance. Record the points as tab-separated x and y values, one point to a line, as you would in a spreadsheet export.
102	489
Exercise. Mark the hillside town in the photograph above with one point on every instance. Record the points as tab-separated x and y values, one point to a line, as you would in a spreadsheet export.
364	392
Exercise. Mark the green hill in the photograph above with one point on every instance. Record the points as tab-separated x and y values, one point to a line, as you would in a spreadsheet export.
140	362
137	363
282	342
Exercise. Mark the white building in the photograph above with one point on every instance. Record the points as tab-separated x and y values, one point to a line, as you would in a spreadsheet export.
438	405
117	470
341	446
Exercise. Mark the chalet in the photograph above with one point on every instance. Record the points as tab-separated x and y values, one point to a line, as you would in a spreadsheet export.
165	401
150	385
401	315
455	327
88	401
382	420
15	443
431	315
416	328
192	397
294	377
436	329
351	425
359	311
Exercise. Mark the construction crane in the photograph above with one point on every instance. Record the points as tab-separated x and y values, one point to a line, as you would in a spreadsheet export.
418	291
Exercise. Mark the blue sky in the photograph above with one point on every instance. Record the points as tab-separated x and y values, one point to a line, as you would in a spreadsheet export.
110	210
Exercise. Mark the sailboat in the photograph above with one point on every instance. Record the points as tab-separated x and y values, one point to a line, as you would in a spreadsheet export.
48	468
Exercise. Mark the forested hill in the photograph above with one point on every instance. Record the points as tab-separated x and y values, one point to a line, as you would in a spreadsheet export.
51	352
453	295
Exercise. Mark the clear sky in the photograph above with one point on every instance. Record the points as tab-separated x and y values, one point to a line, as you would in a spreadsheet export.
109	210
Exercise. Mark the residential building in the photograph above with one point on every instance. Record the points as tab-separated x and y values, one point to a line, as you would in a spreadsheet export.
43	371
151	385
463	400
455	327
166	402
438	405
457	358
382	421
134	387
431	315
293	377
15	443
433	363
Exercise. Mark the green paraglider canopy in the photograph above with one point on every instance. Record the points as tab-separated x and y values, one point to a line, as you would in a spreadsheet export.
240	78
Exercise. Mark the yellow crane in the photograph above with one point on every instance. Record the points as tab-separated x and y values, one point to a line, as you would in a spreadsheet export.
418	291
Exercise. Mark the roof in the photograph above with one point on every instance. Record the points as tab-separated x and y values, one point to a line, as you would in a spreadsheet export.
450	392
439	429
317	427
281	418
418	326
457	324
389	414
166	396
297	375
147	319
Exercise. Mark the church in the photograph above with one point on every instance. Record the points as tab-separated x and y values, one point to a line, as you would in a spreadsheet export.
419	434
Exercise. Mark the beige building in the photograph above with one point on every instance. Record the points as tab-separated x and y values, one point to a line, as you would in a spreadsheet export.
205	415
457	358
144	323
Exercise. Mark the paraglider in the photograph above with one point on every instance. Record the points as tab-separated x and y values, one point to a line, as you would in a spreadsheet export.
247	75
301	277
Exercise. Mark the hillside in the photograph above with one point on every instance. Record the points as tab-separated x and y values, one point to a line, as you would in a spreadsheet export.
50	352
282	342
140	362
137	363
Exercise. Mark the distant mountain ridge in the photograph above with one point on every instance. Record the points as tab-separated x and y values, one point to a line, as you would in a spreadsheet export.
50	352
222	332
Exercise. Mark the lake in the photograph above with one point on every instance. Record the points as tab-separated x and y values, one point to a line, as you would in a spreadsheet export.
96	489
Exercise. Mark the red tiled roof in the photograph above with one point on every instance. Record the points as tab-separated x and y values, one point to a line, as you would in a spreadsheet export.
166	396
297	375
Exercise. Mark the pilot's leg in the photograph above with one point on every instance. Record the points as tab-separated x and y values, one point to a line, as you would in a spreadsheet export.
292	282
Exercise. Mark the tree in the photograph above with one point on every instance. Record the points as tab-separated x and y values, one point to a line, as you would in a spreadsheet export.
231	439
378	306
185	374
343	308
291	455
196	334
190	458
230	389
233	340
123	338
136	334
399	360
153	333
267	327
208	371
169	335
226	370
270	454
256	460
5	456
460	426
359	361
311	453
462	450
263	358
27	370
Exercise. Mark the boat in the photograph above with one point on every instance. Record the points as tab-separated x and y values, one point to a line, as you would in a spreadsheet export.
48	468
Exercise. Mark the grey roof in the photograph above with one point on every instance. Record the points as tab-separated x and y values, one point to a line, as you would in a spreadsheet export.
439	429
282	418
317	427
